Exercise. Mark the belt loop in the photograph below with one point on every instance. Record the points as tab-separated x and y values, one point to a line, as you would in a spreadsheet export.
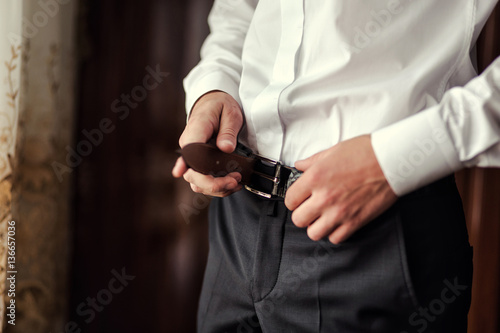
272	208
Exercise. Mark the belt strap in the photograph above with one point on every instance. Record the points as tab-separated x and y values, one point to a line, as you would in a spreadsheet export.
259	175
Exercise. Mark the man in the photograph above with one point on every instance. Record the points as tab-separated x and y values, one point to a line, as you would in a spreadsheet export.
377	103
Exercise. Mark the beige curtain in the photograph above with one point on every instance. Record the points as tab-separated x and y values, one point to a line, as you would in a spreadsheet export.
36	124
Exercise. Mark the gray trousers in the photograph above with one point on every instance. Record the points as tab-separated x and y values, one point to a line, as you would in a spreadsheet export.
409	270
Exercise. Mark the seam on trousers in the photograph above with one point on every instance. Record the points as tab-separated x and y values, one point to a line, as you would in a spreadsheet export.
280	259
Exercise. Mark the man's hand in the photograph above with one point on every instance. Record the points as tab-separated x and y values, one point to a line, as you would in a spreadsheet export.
215	113
341	190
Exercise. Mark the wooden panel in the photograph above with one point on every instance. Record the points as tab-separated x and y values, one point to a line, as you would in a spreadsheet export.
480	189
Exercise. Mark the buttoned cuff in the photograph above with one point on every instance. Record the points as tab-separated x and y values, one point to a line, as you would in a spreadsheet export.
209	82
416	151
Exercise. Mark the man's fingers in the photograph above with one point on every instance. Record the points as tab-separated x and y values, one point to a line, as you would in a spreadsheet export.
341	234
198	129
297	193
195	188
303	165
215	112
214	186
179	168
325	225
307	213
230	124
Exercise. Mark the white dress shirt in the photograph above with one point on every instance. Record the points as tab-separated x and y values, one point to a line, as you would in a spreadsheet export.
309	74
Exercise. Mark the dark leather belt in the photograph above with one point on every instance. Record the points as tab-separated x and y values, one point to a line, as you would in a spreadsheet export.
262	176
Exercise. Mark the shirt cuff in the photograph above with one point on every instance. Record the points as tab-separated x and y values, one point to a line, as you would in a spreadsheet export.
416	151
209	82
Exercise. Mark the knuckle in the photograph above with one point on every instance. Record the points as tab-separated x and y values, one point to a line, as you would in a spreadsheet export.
315	177
214	189
327	198
342	211
235	112
230	108
229	131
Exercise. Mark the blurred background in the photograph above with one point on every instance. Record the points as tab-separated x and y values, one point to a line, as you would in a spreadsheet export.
107	240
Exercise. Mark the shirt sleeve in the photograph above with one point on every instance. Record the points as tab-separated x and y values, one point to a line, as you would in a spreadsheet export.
220	66
461	131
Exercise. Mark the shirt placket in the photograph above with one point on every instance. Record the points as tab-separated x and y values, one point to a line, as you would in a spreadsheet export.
266	107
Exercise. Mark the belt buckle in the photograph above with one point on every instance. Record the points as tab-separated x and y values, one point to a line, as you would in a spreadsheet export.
275	179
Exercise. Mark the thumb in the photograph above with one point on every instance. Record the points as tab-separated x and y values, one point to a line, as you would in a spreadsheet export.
230	124
303	165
